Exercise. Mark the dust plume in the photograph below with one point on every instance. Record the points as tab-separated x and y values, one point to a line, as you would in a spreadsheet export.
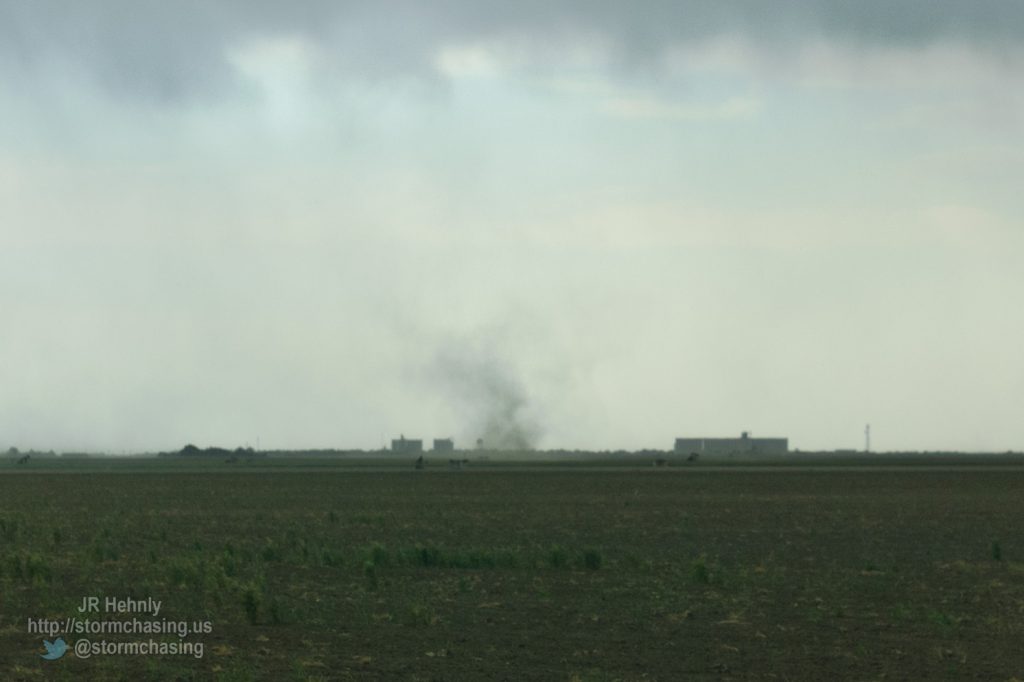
489	397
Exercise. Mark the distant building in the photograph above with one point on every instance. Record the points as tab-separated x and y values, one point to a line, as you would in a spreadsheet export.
444	445
744	445
404	444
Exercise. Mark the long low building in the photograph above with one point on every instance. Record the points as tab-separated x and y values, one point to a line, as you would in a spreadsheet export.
732	446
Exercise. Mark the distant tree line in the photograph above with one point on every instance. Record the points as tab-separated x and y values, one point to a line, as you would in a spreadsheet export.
15	452
193	451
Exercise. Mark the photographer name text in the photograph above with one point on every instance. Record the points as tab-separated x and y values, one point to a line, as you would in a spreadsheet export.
120	605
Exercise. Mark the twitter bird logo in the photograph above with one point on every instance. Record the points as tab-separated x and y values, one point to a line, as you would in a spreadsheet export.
54	649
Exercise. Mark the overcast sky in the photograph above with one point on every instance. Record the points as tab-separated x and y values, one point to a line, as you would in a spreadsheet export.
591	224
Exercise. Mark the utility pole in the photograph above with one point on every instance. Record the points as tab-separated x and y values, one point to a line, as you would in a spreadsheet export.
867	438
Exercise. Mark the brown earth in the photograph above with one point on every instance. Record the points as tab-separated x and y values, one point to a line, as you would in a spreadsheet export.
659	574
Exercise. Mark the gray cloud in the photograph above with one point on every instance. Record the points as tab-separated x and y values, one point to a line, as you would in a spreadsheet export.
172	51
211	238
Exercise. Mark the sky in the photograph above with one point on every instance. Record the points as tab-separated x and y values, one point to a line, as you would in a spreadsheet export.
562	224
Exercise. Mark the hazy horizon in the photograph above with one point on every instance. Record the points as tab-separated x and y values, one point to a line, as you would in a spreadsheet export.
570	225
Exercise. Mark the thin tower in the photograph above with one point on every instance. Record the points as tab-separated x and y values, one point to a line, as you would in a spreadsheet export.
867	438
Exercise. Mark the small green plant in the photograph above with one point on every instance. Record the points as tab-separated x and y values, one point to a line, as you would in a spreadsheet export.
902	612
379	555
941	619
292	537
506	558
997	551
329	558
37	569
32	568
252	602
420	615
699	571
276	613
592	559
476	558
427	557
10	528
228	564
187	572
636	563
370	571
103	550
271	552
558	557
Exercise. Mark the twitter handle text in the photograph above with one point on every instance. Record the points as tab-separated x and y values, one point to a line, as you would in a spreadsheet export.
85	648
